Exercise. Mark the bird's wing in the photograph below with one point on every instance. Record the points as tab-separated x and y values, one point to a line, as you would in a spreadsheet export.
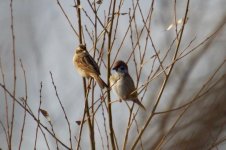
87	63
131	90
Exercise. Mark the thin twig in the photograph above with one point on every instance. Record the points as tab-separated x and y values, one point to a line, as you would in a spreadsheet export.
62	9
84	86
14	72
101	137
131	121
193	99
62	107
108	76
32	115
4	129
40	103
25	103
57	146
6	105
164	83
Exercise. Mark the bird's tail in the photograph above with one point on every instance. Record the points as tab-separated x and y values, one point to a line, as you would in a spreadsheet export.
100	82
139	103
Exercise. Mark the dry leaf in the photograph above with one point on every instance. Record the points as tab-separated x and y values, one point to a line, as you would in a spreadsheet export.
78	6
170	26
78	122
180	21
99	1
124	13
22	99
45	114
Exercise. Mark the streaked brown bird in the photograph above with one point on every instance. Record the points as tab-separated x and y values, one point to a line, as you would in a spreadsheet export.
86	65
122	83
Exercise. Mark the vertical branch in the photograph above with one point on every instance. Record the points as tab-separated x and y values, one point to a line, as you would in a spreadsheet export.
86	110
108	76
38	119
79	21
93	114
84	86
14	71
80	131
127	129
93	85
25	103
91	128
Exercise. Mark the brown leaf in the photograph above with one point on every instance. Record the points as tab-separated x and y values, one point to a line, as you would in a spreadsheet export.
99	1
78	122
45	114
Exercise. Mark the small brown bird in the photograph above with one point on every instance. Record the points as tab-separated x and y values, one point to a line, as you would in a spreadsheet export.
123	84
86	65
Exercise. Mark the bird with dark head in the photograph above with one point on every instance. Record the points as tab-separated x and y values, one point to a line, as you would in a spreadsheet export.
122	83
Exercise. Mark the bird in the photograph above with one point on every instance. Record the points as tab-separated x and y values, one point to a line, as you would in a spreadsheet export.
86	65
122	83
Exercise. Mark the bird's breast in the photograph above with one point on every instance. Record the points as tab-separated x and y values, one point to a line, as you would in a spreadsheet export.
119	86
79	69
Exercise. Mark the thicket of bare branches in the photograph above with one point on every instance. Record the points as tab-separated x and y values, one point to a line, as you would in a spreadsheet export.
176	59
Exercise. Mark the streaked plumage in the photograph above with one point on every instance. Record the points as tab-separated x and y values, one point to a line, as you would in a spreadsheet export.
122	83
86	65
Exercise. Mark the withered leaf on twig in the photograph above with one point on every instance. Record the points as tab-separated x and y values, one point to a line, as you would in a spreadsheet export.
180	21
78	6
99	1
45	114
78	122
